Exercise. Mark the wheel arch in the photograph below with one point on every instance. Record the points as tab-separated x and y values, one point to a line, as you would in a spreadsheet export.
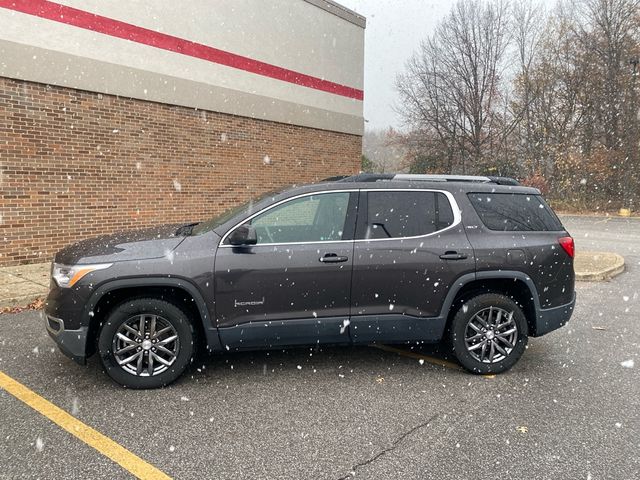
514	284
177	290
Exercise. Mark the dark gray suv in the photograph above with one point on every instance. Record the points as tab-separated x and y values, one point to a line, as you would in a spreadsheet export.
478	262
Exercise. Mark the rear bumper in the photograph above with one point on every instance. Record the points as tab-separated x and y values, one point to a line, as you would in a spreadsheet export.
550	319
73	343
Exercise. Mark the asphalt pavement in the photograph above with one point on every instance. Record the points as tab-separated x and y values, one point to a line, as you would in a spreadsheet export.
569	409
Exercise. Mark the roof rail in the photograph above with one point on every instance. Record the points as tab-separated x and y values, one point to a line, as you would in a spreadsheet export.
408	177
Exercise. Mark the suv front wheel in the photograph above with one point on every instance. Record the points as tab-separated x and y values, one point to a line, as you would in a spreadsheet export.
488	334
146	343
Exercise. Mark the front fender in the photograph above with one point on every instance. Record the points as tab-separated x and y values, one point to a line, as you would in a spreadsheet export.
211	331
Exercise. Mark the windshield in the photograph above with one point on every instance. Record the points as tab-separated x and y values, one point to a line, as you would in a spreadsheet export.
227	215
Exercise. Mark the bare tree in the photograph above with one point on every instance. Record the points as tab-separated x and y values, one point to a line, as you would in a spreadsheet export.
528	22
512	89
451	90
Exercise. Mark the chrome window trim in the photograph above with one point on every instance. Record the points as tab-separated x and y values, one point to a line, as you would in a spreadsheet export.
457	217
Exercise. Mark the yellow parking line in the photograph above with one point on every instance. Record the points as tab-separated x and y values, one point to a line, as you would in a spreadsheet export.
88	435
410	354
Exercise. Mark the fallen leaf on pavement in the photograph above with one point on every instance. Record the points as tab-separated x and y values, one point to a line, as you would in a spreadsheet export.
37	304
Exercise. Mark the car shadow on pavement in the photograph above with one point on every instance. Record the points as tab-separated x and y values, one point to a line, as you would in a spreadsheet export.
339	359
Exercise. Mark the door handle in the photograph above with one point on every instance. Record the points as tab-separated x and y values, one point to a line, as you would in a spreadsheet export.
453	256
333	258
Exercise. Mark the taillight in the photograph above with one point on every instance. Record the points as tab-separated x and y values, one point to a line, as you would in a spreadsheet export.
568	245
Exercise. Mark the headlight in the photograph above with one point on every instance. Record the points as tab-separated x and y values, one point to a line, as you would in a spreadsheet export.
68	275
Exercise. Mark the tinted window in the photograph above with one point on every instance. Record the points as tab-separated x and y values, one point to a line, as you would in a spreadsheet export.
406	214
514	212
315	218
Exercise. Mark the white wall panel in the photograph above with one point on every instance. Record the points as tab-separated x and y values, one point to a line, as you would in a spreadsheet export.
291	34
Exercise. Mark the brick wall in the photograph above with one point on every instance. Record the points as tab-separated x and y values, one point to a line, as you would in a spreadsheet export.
78	164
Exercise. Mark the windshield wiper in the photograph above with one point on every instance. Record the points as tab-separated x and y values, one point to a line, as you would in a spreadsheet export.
186	230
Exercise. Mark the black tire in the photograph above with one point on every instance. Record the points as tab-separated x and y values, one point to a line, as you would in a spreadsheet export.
462	333
167	315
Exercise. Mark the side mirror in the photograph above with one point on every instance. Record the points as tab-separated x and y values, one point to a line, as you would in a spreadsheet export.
243	235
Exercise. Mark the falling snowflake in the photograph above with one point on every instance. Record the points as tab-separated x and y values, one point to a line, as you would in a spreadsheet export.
344	326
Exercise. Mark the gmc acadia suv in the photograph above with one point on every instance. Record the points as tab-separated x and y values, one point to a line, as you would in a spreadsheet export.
479	262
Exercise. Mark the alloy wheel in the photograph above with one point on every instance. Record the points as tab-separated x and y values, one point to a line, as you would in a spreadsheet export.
491	335
146	345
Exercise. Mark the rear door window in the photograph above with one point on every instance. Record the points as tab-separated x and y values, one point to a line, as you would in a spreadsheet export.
515	212
398	214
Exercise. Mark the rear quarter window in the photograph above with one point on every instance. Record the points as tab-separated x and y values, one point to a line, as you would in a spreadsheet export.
515	212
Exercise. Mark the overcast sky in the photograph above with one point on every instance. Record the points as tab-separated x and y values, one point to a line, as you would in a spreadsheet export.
394	31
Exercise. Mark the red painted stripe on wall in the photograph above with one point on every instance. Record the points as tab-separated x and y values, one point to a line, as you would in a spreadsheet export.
116	28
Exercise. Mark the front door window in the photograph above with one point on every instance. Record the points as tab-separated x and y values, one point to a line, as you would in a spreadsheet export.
313	218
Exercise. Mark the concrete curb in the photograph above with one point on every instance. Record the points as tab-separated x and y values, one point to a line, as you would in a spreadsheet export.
598	266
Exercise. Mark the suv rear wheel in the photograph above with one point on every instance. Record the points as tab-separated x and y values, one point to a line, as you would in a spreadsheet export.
489	334
146	343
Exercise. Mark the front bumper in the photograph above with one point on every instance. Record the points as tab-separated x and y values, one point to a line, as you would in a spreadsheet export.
66	321
550	319
73	343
